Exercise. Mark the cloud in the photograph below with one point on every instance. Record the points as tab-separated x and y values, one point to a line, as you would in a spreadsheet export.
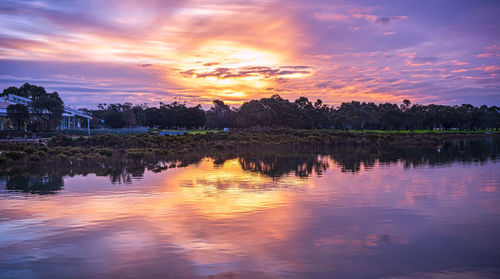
297	67
262	71
211	64
491	68
330	17
491	52
378	19
387	20
199	50
425	59
348	14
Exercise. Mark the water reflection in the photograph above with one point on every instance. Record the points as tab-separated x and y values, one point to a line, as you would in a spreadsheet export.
275	163
464	151
42	185
266	214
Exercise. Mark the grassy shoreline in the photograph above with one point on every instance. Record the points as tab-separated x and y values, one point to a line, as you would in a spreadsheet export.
78	151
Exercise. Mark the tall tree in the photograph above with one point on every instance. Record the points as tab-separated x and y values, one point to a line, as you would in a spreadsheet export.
306	113
48	108
220	115
31	91
11	90
251	114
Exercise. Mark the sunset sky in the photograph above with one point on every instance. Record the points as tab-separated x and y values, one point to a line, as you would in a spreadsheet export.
147	51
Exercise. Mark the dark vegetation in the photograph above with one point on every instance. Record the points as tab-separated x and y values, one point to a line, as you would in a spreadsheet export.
80	151
39	170
266	112
303	114
173	115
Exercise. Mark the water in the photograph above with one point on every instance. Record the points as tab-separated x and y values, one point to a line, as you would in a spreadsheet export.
343	213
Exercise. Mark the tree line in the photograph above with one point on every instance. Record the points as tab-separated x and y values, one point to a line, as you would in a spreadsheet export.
265	112
173	115
302	114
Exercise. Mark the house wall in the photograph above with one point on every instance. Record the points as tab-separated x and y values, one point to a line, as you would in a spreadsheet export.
3	123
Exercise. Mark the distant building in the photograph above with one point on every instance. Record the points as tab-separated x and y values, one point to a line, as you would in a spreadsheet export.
71	118
4	121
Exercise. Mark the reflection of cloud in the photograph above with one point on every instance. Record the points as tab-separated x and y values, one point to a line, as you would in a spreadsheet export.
206	220
228	190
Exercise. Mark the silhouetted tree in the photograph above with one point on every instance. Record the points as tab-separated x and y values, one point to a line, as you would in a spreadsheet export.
302	113
220	116
48	108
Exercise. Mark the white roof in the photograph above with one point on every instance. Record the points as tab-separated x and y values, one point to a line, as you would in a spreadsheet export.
68	111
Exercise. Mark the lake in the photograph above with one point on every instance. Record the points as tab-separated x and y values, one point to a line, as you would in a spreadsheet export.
308	213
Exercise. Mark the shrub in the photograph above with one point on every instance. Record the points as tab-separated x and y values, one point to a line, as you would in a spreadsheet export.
61	140
105	152
219	146
35	158
62	156
39	153
14	155
135	153
29	149
160	151
76	151
230	144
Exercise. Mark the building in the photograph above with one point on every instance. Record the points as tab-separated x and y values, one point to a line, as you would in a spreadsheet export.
4	121
72	119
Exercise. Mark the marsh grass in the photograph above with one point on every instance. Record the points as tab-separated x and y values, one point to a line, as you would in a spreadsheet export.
426	131
108	149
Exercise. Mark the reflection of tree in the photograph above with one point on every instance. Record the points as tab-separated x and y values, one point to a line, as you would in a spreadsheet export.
278	164
120	176
273	162
352	159
463	151
48	184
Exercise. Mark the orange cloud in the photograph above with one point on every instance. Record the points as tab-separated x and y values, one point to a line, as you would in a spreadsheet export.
197	51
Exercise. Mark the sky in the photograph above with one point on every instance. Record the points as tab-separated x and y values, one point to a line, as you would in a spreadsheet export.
151	51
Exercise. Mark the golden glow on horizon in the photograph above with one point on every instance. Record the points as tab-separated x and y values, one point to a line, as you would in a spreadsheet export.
229	69
235	62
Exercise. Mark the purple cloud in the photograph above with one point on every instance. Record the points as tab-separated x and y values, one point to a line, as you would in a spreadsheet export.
427	51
